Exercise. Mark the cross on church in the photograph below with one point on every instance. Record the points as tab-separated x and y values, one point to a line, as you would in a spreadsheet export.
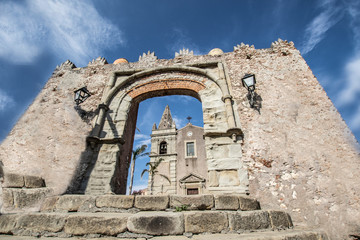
189	118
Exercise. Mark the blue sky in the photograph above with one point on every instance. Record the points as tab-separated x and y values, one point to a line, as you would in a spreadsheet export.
37	35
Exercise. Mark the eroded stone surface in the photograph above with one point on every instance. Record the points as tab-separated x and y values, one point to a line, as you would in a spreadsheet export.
71	203
107	224
12	180
252	220
226	202
117	201
38	222
200	202
199	222
153	203
248	204
34	182
49	204
280	220
21	199
7	223
157	223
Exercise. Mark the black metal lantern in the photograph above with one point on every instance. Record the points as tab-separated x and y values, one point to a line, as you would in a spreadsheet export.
81	95
249	81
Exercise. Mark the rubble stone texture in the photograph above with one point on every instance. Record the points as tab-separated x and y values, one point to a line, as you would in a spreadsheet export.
292	151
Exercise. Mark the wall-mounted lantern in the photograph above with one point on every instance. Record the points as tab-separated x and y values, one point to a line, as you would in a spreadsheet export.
249	81
81	95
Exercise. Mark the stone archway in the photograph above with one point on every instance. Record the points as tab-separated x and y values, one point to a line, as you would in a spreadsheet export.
113	133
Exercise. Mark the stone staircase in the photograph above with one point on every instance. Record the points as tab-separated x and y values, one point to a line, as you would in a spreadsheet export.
156	217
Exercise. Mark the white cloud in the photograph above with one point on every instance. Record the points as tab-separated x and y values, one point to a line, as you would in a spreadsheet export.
146	142
139	136
20	34
182	40
351	82
354	122
179	122
70	29
315	31
353	9
5	101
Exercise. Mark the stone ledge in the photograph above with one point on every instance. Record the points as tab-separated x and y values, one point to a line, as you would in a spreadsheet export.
289	234
149	222
121	203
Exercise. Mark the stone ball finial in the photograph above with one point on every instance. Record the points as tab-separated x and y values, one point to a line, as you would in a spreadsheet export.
120	60
216	52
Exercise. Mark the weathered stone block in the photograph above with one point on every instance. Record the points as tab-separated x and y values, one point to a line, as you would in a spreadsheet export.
29	198
154	203
280	220
254	220
248	204
117	201
229	178
38	222
199	222
106	224
34	182
49	204
226	202
8	198
71	203
12	180
200	202
7	223
157	223
213	179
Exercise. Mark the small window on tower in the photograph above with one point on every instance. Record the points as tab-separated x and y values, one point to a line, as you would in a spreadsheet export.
163	148
190	149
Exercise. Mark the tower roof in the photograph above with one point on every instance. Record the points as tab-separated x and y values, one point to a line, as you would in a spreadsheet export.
166	119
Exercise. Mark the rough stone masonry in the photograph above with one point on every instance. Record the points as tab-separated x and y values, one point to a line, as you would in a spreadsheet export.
292	151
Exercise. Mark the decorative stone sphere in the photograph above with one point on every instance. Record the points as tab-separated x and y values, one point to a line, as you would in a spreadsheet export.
120	60
216	52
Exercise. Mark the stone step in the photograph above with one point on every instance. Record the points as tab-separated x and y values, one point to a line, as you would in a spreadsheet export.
152	223
24	199
116	203
267	235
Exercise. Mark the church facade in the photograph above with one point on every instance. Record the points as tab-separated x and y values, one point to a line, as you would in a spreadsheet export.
183	158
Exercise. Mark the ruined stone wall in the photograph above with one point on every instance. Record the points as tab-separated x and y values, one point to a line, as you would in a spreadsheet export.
49	138
300	155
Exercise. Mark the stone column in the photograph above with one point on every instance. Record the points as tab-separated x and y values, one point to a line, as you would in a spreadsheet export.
100	120
229	111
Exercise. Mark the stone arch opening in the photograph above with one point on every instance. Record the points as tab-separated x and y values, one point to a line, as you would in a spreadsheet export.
163	147
159	121
114	129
